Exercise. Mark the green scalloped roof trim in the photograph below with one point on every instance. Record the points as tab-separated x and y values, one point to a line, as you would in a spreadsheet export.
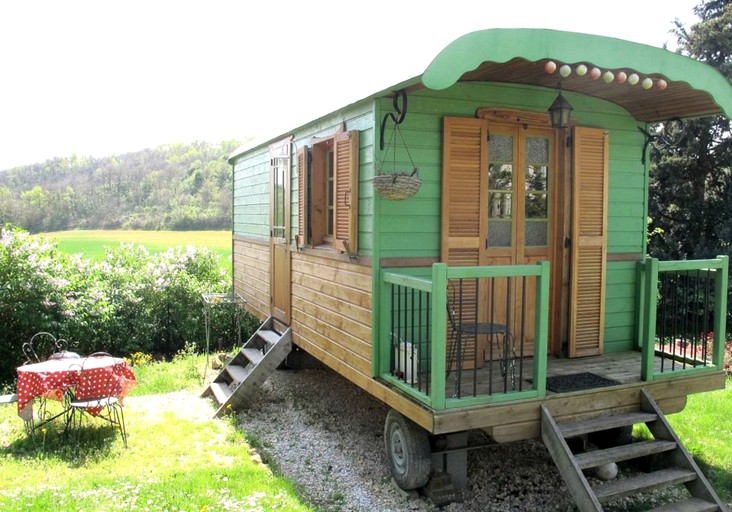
501	45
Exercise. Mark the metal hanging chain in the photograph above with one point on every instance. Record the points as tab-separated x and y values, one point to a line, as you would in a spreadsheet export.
401	110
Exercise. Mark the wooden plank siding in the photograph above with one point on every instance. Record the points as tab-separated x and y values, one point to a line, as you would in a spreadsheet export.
412	228
331	320
251	275
331	309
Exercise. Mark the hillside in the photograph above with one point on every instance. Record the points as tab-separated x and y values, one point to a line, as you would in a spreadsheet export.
178	186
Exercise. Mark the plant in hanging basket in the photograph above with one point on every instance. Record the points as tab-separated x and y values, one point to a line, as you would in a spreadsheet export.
396	186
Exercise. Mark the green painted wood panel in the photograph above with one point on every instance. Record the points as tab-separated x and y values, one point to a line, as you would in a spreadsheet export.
620	306
423	127
251	175
251	196
410	228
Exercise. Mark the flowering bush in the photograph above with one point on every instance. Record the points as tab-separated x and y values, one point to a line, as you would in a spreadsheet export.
129	302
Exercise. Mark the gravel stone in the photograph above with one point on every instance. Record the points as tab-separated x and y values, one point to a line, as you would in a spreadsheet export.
326	435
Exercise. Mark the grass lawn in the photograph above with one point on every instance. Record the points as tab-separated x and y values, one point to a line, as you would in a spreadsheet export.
705	428
178	459
92	243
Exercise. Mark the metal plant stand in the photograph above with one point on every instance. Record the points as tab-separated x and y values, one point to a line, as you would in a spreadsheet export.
233	300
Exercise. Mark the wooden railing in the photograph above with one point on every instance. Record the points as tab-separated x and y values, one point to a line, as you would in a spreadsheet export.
682	315
429	350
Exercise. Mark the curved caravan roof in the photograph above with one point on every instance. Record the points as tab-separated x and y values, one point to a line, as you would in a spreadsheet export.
692	88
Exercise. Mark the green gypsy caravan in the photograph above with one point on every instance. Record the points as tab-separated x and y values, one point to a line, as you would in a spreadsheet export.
469	247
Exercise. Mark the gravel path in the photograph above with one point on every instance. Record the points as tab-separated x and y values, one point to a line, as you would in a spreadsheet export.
326	435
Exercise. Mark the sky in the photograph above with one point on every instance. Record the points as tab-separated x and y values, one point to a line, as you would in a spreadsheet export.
96	78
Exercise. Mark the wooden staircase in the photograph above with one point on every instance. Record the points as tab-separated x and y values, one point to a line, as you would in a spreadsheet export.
251	366
676	466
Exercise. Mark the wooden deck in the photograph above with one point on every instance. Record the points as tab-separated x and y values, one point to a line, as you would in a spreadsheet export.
520	419
623	367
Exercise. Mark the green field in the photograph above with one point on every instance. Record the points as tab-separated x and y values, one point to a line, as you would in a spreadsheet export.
92	244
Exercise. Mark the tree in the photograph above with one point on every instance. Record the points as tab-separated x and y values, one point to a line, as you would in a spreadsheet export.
691	183
178	186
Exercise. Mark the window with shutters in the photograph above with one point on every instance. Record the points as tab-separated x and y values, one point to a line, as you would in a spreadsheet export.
328	193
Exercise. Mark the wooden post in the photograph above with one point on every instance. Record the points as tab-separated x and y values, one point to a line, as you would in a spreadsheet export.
542	328
649	319
439	332
721	283
640	294
382	340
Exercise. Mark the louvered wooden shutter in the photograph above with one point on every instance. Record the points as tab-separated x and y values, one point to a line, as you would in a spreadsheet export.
589	241
302	196
464	169
346	191
463	218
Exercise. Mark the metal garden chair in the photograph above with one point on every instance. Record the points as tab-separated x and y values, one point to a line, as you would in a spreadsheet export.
44	345
41	347
105	403
461	329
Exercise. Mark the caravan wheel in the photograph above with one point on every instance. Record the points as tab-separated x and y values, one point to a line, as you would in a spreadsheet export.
408	451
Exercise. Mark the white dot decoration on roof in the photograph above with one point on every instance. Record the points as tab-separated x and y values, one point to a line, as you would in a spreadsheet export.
608	76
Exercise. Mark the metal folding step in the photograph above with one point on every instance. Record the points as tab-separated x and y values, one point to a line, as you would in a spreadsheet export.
675	464
250	367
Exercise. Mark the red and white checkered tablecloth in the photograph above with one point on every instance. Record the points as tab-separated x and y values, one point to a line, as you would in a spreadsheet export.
88	377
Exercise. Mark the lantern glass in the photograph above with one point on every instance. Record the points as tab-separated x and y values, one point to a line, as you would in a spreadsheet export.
560	112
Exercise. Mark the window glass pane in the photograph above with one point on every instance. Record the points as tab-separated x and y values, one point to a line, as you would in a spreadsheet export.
536	206
500	176
537	150
536	228
329	221
536	177
536	233
499	233
499	205
501	148
278	173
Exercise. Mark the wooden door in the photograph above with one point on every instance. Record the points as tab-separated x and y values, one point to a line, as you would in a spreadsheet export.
280	230
521	167
496	210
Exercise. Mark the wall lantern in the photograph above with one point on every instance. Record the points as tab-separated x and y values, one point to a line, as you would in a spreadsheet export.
560	112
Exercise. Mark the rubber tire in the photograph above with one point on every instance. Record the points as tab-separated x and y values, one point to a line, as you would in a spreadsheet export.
408	451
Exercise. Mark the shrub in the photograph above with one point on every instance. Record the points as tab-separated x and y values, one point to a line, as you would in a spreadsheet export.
131	302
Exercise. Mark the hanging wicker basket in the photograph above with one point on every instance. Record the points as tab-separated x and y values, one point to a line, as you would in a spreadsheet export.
397	186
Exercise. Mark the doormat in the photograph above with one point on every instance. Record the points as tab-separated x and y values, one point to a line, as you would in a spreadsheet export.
577	382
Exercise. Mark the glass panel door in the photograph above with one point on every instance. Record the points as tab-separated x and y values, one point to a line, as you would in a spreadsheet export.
536	185
500	190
